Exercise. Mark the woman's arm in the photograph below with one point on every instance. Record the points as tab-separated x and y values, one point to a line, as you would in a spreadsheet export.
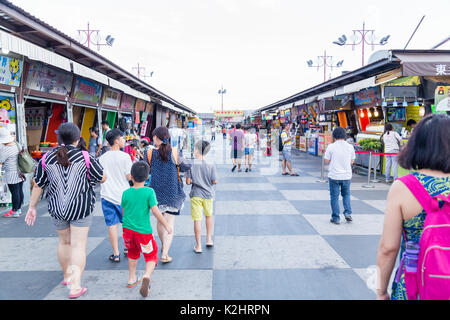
34	199
390	239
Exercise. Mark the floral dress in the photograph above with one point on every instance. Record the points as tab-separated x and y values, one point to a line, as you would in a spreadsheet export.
413	227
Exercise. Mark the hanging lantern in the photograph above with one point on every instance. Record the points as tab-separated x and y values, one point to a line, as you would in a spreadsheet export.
422	111
369	114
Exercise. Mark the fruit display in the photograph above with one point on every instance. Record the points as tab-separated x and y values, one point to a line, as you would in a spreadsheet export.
130	137
45	144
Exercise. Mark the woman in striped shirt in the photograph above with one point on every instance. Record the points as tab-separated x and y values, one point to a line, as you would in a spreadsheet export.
70	177
9	152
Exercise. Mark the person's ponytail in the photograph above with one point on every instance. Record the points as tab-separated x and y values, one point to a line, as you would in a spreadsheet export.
62	156
164	149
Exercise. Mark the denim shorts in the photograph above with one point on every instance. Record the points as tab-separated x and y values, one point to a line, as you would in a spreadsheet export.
113	213
81	223
287	155
249	151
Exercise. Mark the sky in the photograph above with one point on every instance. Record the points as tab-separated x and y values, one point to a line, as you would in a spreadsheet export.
256	49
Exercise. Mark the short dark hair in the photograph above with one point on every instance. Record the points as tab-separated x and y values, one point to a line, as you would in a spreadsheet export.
410	122
112	135
105	122
339	133
140	171
429	145
94	129
203	147
238	126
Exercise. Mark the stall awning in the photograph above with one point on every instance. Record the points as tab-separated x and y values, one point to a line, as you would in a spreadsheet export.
426	63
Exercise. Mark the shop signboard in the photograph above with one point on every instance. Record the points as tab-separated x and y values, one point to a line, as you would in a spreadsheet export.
391	92
127	103
144	125
303	143
87	90
7	110
137	118
150	107
369	97
229	114
111	98
49	80
11	70
442	99
140	105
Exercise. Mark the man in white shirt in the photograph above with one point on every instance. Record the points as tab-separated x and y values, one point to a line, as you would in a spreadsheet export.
341	156
250	145
117	165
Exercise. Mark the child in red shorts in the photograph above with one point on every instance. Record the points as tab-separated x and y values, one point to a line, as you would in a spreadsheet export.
137	202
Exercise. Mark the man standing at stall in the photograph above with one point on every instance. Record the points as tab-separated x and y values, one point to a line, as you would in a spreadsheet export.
341	156
286	149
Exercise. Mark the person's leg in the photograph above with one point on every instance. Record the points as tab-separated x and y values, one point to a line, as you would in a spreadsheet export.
208	207
15	196
345	192
167	238
394	167
334	199
283	166
65	253
114	239
78	240
388	168
198	235
149	268
132	263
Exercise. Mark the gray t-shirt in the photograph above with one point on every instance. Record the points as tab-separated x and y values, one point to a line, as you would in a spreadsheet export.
202	175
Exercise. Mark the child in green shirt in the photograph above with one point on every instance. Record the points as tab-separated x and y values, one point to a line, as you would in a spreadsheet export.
137	202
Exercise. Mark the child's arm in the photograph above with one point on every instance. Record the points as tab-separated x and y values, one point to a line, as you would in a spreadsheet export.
188	181
161	219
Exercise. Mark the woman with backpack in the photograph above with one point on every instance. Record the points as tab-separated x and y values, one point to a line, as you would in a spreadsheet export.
166	181
9	152
69	174
392	144
417	218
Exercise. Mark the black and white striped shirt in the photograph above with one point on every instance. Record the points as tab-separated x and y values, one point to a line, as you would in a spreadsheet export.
70	193
9	158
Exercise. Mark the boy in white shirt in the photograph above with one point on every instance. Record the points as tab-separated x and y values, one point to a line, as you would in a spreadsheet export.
341	156
117	164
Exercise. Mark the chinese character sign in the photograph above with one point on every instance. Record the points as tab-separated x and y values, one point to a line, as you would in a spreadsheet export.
228	114
49	80
87	90
10	71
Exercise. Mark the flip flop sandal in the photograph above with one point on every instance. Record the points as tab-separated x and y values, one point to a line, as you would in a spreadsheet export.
285	174
210	244
294	175
145	287
79	294
166	260
131	285
114	258
66	283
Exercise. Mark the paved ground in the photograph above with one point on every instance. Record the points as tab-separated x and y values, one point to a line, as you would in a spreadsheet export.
273	240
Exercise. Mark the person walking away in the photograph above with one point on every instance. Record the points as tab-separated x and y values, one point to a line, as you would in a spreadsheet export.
286	141
69	175
202	177
224	132
137	202
117	166
237	148
9	152
165	180
250	145
105	145
340	155
417	210
213	133
95	144
177	138
392	144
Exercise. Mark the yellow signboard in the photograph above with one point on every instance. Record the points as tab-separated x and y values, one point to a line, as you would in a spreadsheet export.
228	114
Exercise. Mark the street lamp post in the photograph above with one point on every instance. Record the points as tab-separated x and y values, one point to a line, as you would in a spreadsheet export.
139	75
222	92
363	33
325	64
109	40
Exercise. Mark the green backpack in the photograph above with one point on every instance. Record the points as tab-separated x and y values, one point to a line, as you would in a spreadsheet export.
25	162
